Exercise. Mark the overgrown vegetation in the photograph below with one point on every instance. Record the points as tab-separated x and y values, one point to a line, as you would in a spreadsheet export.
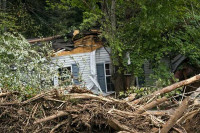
143	29
24	67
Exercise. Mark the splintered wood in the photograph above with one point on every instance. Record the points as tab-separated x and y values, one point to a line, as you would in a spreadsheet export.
82	111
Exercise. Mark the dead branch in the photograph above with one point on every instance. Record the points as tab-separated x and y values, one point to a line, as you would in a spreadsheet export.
178	113
38	96
52	99
58	114
195	94
170	88
7	94
123	132
189	115
150	105
89	96
132	114
159	112
9	103
124	113
44	39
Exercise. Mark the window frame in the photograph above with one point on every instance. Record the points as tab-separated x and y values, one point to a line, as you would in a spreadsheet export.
60	80
105	63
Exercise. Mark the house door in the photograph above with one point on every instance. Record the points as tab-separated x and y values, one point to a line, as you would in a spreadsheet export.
101	76
75	73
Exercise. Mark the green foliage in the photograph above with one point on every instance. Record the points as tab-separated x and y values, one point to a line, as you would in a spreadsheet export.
22	68
38	18
162	76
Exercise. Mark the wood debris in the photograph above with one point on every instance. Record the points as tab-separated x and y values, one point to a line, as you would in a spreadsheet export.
81	111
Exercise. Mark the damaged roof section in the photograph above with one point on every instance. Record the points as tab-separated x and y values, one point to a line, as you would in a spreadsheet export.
74	43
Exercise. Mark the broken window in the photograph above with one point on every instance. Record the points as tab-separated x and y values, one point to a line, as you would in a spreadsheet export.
64	76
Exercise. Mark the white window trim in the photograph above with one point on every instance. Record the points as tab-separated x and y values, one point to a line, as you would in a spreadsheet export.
106	76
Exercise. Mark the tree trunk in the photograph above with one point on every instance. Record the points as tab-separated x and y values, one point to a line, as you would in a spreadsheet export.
113	17
4	3
118	81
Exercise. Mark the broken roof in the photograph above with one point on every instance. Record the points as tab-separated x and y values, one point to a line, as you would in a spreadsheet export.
75	42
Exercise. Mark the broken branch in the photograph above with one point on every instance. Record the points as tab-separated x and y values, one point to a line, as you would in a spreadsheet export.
178	113
150	105
58	114
170	88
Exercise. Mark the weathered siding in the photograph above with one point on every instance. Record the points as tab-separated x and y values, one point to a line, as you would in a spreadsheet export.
82	60
102	55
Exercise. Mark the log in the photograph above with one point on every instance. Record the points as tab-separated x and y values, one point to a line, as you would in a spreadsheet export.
44	39
178	113
115	124
170	88
39	96
34	98
150	105
130	98
89	96
58	114
133	114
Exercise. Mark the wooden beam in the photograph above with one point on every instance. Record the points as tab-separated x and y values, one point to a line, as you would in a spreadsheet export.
44	39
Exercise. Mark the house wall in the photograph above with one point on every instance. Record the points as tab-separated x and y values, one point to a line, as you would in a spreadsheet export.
82	60
102	55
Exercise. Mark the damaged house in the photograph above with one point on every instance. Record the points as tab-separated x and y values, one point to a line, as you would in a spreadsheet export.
83	60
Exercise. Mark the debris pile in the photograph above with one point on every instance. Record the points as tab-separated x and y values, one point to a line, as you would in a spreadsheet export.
81	111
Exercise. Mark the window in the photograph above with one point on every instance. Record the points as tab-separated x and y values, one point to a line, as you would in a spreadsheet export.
64	76
110	86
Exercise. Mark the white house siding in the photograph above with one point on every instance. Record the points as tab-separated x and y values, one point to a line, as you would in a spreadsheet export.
102	55
82	60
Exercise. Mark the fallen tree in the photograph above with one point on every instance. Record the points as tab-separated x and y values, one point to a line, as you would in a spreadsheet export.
169	88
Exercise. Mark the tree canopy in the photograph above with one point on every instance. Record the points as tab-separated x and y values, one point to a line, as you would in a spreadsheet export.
142	29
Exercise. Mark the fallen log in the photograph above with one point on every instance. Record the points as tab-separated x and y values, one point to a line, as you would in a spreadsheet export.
150	105
178	113
169	88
